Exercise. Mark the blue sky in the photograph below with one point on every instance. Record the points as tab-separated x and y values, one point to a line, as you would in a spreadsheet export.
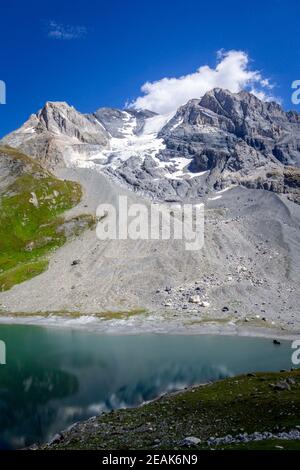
100	53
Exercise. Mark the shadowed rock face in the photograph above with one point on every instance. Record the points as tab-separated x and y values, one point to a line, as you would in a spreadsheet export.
228	133
234	138
225	129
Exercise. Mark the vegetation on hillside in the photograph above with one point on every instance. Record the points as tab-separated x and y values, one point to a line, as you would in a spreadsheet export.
249	403
31	221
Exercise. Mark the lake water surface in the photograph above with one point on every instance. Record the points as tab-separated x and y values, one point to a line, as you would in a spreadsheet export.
55	377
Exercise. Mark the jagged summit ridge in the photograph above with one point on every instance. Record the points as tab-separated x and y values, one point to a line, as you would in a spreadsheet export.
212	142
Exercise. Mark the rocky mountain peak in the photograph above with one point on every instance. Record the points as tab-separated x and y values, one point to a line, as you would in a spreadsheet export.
61	118
221	139
56	133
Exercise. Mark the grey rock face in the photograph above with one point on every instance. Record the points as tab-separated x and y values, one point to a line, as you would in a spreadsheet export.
220	140
113	120
9	169
56	132
13	165
234	138
117	123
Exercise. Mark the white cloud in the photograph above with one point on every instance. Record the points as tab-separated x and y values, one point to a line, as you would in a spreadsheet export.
65	32
232	72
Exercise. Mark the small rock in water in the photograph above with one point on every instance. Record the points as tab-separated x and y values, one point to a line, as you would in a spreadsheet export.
205	304
275	341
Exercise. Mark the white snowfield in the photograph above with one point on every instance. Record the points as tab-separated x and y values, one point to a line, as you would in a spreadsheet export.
141	145
129	145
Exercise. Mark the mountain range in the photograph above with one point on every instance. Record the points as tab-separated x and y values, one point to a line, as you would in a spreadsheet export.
220	140
238	155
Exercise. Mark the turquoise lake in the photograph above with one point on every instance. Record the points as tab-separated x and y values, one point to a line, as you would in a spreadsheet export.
54	377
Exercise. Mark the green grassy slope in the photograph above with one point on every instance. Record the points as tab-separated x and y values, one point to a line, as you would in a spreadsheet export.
231	406
31	222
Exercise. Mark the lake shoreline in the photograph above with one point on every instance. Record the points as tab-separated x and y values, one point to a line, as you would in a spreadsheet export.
143	326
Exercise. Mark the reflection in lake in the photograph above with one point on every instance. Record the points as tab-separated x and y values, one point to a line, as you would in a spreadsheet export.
55	377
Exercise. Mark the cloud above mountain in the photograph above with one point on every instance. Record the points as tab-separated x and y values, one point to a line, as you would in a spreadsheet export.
65	32
232	72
